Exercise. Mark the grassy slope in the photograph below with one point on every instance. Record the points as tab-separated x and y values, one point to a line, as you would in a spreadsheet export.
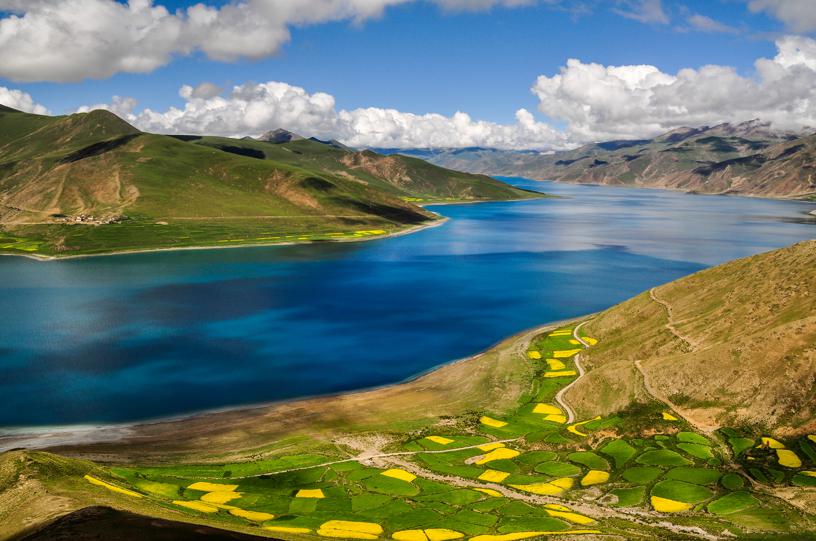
755	322
179	194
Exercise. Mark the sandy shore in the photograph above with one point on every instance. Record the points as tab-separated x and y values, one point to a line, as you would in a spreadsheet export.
260	424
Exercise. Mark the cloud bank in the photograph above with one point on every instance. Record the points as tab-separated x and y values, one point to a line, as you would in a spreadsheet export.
251	109
607	102
72	40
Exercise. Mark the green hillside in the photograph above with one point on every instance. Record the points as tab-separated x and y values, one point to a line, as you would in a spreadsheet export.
91	183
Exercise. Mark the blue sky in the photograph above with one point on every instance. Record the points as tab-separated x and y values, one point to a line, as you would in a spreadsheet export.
420	58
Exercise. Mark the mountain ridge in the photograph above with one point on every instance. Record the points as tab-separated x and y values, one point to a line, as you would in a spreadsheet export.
60	175
747	158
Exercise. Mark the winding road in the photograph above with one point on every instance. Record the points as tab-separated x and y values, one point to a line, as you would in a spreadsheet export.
559	397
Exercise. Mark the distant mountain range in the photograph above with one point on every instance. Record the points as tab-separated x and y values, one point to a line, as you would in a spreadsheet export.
749	158
92	183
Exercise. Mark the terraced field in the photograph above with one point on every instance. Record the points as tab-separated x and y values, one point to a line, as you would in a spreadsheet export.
499	475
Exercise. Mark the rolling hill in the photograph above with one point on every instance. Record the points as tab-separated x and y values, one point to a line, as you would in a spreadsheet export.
92	183
741	159
737	348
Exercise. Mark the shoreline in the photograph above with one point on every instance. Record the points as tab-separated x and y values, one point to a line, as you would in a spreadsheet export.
407	231
795	198
49	437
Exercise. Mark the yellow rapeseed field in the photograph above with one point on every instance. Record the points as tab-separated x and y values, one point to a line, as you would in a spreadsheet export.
590	341
788	458
440	440
569	516
547	409
498	454
220	497
489	492
346	529
212	487
574	342
772	443
561	419
493	476
197	506
489	421
665	505
555	487
402	475
286	529
574	428
812	438
595	477
564	353
431	534
669	417
112	488
527	535
555	364
490	446
310	493
809	473
560	374
254	516
534	354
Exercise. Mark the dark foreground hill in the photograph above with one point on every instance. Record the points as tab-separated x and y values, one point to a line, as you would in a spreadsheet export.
91	183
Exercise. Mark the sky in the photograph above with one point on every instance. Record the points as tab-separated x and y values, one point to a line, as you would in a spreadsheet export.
516	74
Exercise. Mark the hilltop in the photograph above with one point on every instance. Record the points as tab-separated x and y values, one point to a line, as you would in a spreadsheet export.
742	159
555	431
92	183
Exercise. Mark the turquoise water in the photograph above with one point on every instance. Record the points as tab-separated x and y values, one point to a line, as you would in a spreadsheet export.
141	336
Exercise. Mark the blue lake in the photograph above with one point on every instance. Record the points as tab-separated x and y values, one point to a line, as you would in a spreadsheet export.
131	337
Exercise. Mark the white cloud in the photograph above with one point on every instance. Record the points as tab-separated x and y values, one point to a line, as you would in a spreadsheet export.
644	11
798	15
605	102
71	40
17	99
703	23
251	109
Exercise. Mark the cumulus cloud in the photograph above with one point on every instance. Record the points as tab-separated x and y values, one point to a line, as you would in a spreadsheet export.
798	15
17	99
251	109
71	40
605	102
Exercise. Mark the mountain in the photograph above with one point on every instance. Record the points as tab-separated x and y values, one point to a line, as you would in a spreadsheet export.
749	158
92	183
734	345
279	136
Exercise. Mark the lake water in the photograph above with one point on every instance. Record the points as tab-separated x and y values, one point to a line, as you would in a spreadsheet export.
132	337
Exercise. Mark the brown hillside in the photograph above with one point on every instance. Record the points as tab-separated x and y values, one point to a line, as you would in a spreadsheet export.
739	347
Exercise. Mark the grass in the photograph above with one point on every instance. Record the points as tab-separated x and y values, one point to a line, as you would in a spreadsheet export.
681	491
305	191
662	457
732	503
